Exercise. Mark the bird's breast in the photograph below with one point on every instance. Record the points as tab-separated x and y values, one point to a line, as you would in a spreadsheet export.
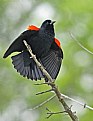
41	44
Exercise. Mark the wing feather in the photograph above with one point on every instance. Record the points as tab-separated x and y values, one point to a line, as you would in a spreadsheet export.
52	63
29	70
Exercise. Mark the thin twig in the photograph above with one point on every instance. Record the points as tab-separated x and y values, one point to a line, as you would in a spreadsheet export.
80	103
50	113
73	37
39	93
52	84
43	103
66	97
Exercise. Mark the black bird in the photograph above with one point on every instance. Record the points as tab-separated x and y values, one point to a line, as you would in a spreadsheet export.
44	45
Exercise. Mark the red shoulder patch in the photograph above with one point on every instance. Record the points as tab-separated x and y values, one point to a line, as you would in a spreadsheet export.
57	42
32	27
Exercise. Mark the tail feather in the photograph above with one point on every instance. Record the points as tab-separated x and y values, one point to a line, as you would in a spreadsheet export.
29	70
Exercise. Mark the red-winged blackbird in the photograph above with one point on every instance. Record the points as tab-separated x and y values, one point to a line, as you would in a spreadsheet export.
44	45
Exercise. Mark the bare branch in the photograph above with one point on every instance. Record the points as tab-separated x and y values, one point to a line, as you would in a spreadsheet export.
50	113
39	93
41	104
73	37
52	84
66	97
37	62
80	103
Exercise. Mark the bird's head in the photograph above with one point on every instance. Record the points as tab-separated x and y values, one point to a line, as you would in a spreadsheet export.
48	26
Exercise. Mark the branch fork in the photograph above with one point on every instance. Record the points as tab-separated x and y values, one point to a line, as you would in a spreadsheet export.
50	113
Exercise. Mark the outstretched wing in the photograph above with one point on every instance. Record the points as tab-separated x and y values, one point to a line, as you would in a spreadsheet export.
52	63
26	66
18	45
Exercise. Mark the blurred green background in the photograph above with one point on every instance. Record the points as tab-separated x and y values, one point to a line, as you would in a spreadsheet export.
75	79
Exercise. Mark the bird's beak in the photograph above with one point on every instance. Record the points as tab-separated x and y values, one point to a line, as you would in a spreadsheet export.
53	22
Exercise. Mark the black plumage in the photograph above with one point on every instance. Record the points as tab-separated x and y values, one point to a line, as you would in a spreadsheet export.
48	53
